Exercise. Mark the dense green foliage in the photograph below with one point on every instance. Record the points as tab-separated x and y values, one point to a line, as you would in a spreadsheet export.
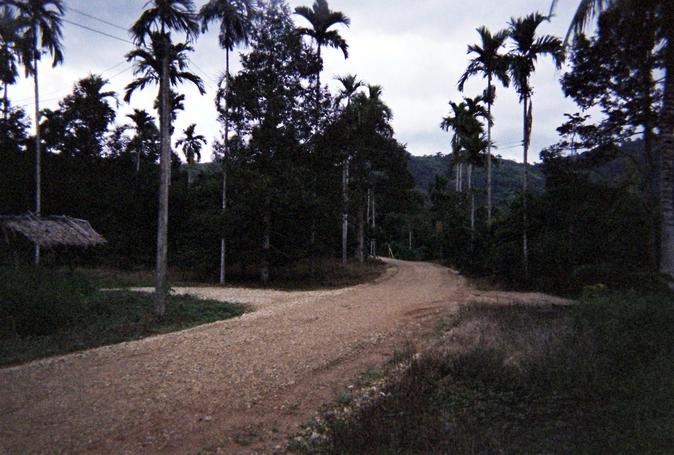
593	214
591	379
283	182
583	231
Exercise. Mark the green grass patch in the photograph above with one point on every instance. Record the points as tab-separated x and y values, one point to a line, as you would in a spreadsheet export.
328	273
45	313
595	378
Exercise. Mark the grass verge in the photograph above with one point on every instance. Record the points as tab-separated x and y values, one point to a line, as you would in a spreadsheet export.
596	378
43	313
328	273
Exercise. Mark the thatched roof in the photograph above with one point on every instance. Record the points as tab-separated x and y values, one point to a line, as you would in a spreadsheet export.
52	231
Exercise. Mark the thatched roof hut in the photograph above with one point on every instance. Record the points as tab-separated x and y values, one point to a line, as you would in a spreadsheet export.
51	231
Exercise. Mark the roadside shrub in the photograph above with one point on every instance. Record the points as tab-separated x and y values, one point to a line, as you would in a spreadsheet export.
37	301
617	278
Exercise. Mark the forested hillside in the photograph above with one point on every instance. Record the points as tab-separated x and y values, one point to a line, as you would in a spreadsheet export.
507	175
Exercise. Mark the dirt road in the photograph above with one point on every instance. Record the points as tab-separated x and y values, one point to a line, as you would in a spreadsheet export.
233	386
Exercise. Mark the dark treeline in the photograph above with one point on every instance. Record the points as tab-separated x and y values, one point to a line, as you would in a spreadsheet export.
301	173
305	169
599	218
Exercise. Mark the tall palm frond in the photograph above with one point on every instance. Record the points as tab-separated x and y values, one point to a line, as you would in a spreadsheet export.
322	18
487	61
40	23
527	48
9	46
191	144
163	16
350	85
148	61
235	18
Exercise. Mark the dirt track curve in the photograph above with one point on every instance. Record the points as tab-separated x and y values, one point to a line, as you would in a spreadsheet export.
233	386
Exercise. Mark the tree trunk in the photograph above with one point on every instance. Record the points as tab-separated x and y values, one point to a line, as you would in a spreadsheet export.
318	89
472	201
489	184
38	143
361	235
374	226
456	180
138	153
345	208
667	161
6	102
161	287
650	184
460	177
266	243
471	195
651	191
525	171
223	242
312	233
368	221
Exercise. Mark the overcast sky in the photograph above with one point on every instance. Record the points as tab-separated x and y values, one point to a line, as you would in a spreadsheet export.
414	49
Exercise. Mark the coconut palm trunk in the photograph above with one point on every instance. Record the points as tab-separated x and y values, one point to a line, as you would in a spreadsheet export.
161	286
312	231
667	163
5	101
345	209
472	201
457	179
266	242
361	235
374	226
318	88
223	242
525	172
139	152
38	143
489	176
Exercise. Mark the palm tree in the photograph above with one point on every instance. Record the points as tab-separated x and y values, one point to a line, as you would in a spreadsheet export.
468	143
235	18
373	122
191	144
322	19
90	109
10	43
527	48
490	64
377	112
155	24
40	27
662	9
350	86
146	132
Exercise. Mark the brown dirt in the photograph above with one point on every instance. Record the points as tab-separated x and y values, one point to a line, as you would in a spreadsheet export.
235	386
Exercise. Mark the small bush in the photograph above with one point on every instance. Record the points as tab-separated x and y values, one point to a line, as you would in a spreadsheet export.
37	301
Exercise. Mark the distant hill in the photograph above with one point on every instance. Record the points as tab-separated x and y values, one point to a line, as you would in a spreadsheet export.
507	175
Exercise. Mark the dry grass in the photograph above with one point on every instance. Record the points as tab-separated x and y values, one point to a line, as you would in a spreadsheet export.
520	379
